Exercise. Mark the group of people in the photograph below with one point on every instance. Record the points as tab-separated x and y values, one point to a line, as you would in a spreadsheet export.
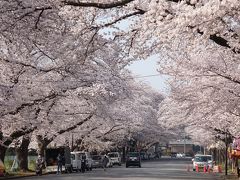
60	160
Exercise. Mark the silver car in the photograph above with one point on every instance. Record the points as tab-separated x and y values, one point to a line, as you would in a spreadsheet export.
202	160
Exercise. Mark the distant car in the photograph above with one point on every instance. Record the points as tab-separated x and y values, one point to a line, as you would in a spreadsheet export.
115	157
173	155
2	169
133	159
202	160
97	161
180	155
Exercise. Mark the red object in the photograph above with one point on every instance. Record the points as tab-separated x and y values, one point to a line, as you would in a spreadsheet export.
209	169
219	169
197	170
205	169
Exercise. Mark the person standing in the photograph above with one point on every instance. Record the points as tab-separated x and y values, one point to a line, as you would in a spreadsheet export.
59	163
105	162
39	165
83	165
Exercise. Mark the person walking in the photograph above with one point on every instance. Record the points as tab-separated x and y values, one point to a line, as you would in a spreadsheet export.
105	162
59	163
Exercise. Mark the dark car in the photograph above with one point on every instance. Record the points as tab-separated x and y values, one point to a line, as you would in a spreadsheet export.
97	161
173	154
133	159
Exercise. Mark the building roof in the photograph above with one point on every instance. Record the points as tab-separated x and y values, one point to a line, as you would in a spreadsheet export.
181	142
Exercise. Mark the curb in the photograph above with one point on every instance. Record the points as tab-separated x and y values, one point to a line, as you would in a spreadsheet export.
19	177
15	177
229	177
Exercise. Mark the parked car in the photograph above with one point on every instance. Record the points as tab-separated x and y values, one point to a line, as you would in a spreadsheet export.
173	154
2	169
89	161
202	160
133	159
97	161
76	161
180	155
115	157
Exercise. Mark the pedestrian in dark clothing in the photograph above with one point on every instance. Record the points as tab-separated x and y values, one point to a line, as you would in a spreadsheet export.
83	164
59	163
105	162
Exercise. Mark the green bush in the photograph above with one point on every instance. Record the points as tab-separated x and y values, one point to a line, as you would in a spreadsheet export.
8	164
32	165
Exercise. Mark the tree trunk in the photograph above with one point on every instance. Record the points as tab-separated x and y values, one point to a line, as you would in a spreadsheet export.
42	145
3	149
22	153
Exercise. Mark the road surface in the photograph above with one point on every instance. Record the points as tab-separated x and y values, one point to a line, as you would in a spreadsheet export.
164	169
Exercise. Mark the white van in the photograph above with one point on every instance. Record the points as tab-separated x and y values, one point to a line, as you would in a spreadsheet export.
76	161
115	158
89	161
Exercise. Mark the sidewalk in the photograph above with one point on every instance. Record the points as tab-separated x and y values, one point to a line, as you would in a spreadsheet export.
231	176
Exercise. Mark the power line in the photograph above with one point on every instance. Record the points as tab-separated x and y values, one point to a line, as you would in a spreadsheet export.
146	76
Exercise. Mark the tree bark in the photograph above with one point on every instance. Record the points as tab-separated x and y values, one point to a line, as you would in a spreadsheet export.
42	145
2	152
3	149
22	153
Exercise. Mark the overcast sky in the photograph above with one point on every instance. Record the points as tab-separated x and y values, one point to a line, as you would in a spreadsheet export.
147	68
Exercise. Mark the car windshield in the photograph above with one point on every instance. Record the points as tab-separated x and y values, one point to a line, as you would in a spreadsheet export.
203	158
133	154
96	157
112	155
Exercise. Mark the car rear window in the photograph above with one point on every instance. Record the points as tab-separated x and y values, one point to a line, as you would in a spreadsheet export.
133	154
113	155
203	158
96	157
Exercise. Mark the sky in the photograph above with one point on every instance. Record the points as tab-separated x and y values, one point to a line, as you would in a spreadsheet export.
148	67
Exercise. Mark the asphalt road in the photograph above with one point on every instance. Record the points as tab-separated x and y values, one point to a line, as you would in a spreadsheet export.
164	169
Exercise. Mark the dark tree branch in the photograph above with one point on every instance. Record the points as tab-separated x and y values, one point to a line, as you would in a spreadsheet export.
70	128
139	12
226	77
38	19
18	133
34	102
97	5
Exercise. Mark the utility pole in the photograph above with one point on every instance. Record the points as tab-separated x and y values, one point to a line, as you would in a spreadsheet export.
184	144
226	153
72	142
